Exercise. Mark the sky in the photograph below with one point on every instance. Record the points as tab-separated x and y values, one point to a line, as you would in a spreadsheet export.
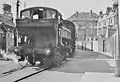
66	7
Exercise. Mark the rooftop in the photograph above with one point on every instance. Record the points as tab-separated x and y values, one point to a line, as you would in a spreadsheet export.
84	16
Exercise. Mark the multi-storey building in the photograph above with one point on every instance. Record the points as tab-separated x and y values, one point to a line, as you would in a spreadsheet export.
107	30
7	29
85	23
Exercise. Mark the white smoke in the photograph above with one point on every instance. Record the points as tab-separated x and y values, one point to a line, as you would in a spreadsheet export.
9	56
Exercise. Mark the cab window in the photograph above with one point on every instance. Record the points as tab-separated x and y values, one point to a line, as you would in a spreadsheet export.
40	13
26	14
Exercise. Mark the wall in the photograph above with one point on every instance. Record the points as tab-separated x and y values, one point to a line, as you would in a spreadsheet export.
95	45
100	45
9	40
110	45
82	26
88	45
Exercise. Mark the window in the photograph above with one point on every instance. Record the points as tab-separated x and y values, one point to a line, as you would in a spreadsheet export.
44	13
115	19
68	35
95	23
26	14
92	39
99	24
35	17
96	39
110	20
104	22
59	32
107	22
39	13
50	14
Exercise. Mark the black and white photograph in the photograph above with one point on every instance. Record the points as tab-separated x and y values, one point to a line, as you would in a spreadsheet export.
59	41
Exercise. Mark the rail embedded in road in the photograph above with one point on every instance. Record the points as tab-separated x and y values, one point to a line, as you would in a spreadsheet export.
13	70
38	70
24	73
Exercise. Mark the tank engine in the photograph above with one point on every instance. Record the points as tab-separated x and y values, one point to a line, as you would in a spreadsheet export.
44	36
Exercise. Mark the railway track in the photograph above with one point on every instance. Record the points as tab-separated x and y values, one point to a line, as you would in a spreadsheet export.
29	75
22	73
13	70
18	75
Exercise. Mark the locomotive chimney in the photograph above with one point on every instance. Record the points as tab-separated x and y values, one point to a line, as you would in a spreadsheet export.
17	8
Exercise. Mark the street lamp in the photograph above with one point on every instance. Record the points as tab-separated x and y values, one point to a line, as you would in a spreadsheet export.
117	56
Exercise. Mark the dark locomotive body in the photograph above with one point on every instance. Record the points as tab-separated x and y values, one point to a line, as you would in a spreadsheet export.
44	36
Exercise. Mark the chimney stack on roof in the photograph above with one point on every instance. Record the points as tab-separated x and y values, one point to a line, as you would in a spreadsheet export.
7	10
77	13
101	14
115	4
91	12
109	9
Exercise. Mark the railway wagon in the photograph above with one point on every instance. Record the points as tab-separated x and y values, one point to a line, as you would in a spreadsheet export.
43	36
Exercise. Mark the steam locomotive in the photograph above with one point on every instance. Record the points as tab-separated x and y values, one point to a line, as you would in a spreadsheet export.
44	36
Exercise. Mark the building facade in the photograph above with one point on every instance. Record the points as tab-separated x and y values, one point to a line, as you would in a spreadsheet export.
86	26
7	32
107	31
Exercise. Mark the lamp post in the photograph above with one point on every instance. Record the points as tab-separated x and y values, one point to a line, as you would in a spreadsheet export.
17	16
117	56
92	36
